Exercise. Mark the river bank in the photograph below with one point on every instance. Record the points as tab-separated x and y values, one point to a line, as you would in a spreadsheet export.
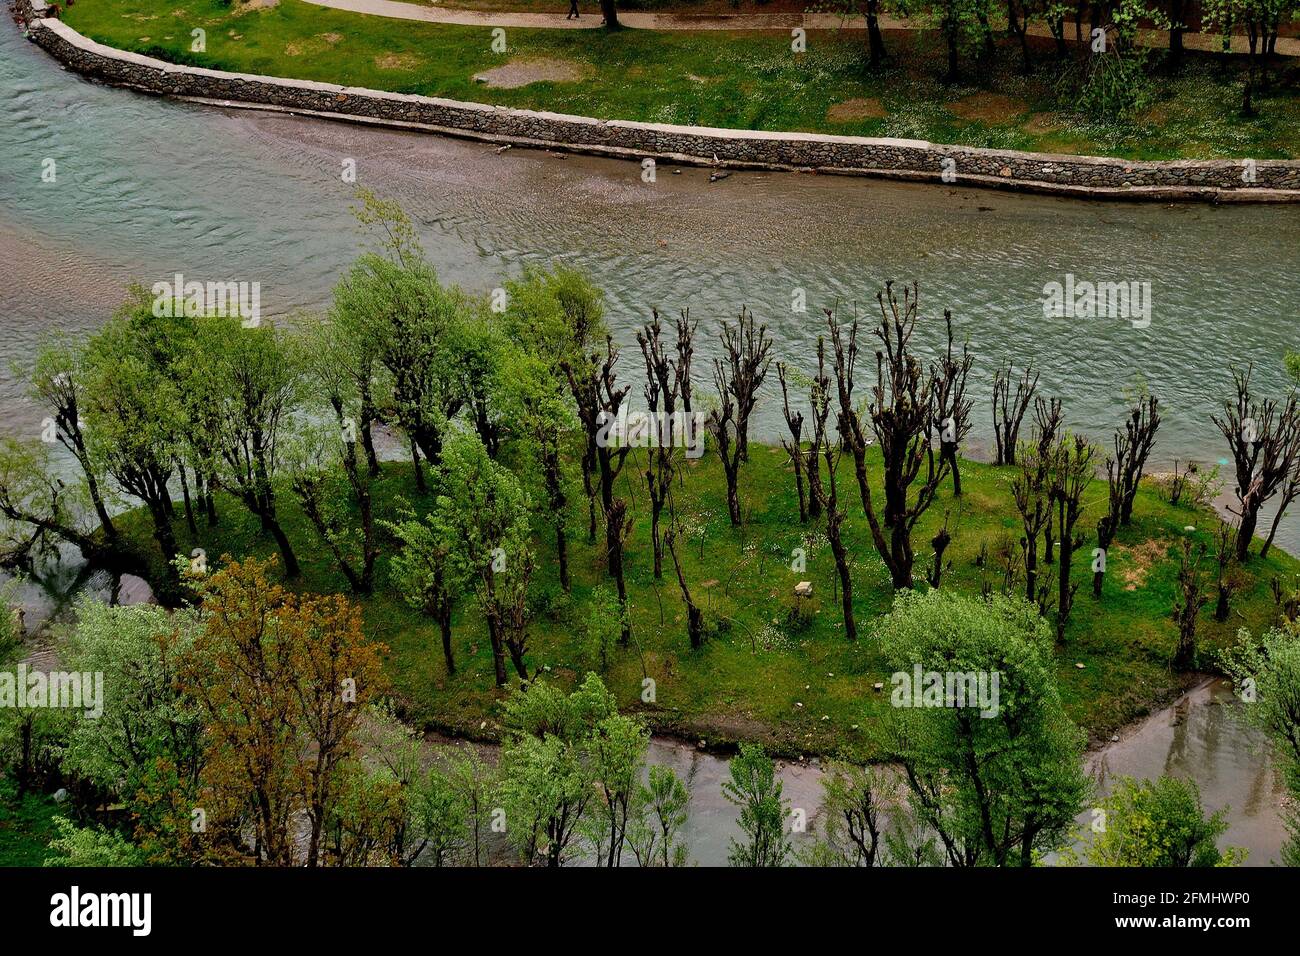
1095	177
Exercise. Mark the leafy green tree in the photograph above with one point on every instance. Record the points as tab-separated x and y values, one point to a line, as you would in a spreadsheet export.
659	813
560	315
602	626
855	805
56	381
536	401
1261	20
91	846
999	780
546	780
132	413
754	787
391	304
1159	823
146	720
482	516
561	750
254	381
1267	672
39	511
617	746
422	573
963	25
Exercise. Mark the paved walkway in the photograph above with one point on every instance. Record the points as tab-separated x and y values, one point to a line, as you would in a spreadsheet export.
637	20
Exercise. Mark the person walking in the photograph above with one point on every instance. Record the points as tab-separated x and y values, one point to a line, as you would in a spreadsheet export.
573	10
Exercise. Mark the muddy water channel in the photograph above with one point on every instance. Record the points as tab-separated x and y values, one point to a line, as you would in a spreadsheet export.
1199	736
147	188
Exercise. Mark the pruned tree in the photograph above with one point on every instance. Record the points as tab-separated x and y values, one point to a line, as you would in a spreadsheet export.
694	616
1108	524
1072	473
1031	491
662	390
951	406
685	353
1290	492
827	489
1224	559
900	410
1132	448
737	376
794	446
1264	439
1047	426
942	538
1189	598
1009	409
593	382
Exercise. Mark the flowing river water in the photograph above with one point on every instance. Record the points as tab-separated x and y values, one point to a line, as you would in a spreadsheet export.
147	188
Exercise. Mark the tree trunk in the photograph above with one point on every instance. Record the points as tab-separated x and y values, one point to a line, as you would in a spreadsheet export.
1249	518
609	10
291	568
189	509
875	39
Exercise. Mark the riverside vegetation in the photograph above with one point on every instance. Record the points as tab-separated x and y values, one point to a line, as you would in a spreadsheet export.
523	578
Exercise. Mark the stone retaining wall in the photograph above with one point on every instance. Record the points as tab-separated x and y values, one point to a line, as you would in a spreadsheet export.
1084	176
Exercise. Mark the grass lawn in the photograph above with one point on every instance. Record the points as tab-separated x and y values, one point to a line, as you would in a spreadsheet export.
735	80
797	691
26	826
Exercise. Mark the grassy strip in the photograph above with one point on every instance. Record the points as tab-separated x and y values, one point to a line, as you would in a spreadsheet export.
736	80
797	690
26	826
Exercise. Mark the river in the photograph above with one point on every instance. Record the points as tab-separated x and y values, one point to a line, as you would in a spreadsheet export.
146	188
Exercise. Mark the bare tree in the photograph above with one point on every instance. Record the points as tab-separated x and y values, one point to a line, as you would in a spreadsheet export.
738	377
1132	448
1289	495
1108	524
951	406
827	490
1264	438
940	542
1031	491
662	389
694	617
1072	473
685	352
794	447
901	421
1047	421
1009	411
1225	559
598	398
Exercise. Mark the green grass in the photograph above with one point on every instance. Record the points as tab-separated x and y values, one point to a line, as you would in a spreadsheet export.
26	826
750	679
737	80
